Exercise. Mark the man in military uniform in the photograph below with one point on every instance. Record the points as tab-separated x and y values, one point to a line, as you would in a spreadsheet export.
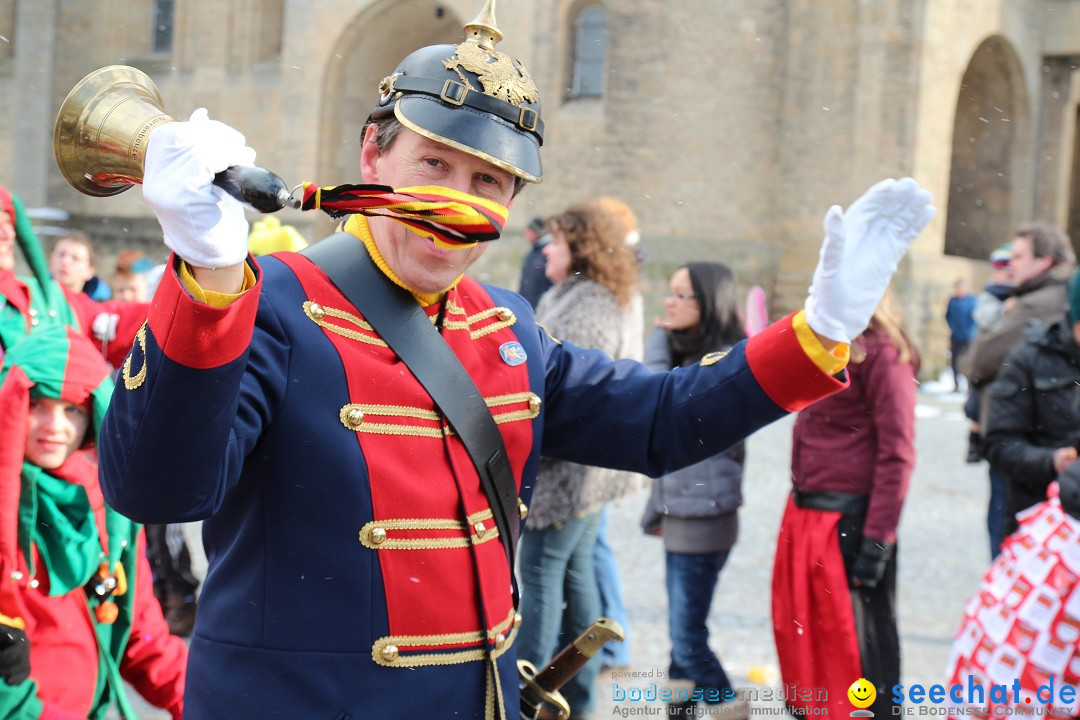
356	569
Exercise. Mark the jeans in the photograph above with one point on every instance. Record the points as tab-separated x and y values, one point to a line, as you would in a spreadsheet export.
691	581
614	654
556	565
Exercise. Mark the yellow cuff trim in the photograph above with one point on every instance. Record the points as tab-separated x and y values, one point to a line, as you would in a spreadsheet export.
830	363
12	622
214	299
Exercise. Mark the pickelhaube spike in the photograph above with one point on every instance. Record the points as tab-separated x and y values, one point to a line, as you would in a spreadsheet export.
482	28
471	97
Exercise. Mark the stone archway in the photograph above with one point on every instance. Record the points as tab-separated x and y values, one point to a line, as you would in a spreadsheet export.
987	147
376	40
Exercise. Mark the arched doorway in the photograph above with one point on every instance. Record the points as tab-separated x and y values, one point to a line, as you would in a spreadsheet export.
987	148
369	50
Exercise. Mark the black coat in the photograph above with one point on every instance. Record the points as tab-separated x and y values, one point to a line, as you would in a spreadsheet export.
1034	410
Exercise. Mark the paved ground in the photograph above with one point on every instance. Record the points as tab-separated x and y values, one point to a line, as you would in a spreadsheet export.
943	553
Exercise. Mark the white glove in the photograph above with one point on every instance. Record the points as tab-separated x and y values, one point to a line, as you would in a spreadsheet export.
202	223
104	327
860	253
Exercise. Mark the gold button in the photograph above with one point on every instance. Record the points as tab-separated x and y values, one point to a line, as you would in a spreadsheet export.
356	416
517	620
523	509
390	653
534	404
378	536
16	576
500	641
480	529
33	582
317	311
504	314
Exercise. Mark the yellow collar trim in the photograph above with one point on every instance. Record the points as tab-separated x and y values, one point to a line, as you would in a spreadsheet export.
357	225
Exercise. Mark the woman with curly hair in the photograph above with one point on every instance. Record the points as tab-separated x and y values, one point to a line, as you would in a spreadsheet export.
595	276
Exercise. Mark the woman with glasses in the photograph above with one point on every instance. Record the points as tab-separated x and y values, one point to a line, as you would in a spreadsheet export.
695	509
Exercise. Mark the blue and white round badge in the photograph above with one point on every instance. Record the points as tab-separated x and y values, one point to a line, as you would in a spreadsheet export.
512	353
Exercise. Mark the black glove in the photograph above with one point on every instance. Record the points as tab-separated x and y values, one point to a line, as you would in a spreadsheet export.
869	565
14	655
1069	490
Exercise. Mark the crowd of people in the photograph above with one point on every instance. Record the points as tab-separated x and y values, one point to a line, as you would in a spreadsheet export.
361	519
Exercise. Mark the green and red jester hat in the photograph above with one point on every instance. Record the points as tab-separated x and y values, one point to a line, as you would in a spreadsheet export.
60	363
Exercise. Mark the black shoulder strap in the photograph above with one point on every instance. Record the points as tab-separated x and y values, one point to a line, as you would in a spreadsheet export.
399	320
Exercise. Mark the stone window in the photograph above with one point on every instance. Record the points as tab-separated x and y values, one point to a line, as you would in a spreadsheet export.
590	46
162	35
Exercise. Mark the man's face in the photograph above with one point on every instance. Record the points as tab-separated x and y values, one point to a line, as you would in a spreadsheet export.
7	242
1023	263
70	264
54	430
413	160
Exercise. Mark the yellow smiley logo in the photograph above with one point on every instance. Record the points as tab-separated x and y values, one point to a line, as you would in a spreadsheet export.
862	693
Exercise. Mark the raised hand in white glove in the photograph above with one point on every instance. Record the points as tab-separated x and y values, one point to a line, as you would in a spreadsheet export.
202	223
859	256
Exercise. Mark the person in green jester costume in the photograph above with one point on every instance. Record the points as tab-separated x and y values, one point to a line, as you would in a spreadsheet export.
77	611
27	303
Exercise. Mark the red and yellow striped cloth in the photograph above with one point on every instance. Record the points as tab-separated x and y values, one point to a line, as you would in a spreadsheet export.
452	219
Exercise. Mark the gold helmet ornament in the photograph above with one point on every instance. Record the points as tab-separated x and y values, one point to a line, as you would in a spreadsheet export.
471	97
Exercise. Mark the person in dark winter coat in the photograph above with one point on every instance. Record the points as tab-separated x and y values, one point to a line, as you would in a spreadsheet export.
534	281
696	509
1041	261
959	314
1033	426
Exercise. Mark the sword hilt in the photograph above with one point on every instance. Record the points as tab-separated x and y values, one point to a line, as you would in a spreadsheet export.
543	687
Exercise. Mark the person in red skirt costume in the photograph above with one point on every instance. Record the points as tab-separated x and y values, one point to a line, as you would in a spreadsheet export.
834	580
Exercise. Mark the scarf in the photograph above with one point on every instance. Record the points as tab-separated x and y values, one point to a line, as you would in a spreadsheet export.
450	218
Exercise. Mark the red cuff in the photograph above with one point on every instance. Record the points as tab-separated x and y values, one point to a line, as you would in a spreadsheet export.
197	335
787	375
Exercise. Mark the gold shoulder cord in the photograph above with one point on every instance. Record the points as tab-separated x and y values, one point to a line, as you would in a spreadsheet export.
133	382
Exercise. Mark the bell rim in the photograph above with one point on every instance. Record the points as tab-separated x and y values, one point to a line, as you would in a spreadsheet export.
80	97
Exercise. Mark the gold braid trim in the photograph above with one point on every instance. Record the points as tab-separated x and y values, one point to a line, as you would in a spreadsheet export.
505	318
387	651
134	382
375	534
382	654
354	416
395	429
397	410
318	313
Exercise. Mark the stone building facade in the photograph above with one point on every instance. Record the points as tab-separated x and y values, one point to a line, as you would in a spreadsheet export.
728	126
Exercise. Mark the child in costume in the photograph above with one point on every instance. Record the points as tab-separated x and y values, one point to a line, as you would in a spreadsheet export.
78	611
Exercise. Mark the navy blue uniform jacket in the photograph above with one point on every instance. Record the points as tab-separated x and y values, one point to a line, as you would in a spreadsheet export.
354	569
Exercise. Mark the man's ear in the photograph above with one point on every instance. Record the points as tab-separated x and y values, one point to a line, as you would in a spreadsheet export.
369	155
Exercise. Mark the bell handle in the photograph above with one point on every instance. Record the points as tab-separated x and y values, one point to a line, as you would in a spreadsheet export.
257	187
